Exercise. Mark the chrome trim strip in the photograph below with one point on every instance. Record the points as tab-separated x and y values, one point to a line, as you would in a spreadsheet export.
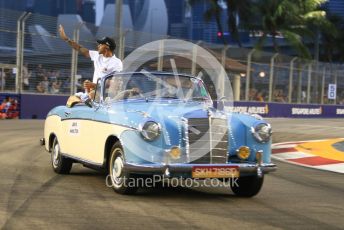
186	137
105	122
210	140
80	160
182	168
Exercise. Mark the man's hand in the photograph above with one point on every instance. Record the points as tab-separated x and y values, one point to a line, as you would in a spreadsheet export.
72	43
88	85
62	33
135	91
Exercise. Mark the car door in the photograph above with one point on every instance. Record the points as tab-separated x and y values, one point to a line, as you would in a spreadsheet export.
91	137
77	126
79	129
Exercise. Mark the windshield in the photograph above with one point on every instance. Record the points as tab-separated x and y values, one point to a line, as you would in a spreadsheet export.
154	86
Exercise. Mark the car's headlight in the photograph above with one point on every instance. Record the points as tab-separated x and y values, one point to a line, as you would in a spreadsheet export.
262	132
150	130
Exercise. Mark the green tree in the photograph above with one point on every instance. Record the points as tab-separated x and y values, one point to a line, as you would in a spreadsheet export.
215	11
238	9
291	19
235	9
332	41
294	20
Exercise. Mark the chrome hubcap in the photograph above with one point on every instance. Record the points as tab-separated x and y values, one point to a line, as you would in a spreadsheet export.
118	165
56	153
117	168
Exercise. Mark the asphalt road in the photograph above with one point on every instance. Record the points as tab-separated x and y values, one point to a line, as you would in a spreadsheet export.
32	196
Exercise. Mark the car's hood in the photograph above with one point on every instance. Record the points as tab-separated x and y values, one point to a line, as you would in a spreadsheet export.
133	113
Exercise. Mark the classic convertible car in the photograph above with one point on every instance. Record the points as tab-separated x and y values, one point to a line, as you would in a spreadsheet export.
143	124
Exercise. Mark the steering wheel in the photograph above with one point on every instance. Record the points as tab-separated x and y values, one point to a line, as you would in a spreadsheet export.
129	93
135	92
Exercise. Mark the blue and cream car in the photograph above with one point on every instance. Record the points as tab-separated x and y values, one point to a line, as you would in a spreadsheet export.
147	124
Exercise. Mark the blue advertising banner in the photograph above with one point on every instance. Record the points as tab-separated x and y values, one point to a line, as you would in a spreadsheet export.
31	106
37	106
290	110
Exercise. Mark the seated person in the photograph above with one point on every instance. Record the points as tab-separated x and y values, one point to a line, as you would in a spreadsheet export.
178	87
114	89
128	93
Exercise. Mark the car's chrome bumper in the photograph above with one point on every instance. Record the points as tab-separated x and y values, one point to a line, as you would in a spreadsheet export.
172	169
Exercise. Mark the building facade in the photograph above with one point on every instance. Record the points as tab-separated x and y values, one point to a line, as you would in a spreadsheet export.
335	7
84	8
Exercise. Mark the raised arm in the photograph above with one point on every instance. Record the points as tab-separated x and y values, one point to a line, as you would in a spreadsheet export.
84	51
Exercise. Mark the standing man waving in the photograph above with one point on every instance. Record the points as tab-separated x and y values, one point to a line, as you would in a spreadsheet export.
104	59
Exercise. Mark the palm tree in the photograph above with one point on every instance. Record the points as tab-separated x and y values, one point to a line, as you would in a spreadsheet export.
315	20
332	42
238	9
290	19
215	11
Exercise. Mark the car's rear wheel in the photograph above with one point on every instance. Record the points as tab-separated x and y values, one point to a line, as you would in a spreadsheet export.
120	180
60	164
247	186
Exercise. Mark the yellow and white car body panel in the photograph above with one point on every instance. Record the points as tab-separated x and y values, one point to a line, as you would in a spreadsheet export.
80	138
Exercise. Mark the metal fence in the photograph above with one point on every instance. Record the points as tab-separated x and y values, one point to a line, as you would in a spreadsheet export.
33	59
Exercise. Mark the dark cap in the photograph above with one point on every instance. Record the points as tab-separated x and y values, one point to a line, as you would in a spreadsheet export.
109	42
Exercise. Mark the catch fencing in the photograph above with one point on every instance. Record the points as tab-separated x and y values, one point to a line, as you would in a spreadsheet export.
34	60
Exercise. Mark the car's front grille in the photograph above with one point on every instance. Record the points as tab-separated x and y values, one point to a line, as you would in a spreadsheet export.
207	140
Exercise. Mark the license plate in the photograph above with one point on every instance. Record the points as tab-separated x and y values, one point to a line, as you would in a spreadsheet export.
215	171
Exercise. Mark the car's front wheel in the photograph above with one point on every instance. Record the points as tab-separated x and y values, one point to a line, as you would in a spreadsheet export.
120	180
60	164
247	186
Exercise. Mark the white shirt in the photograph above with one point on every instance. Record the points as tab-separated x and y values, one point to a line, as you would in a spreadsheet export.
104	65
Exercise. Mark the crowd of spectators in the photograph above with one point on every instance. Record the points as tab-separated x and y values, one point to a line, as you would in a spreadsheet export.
341	98
280	96
7	79
47	81
37	79
262	95
9	108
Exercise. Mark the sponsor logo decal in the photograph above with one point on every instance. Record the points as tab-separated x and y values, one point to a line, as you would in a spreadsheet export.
251	109
340	111
306	111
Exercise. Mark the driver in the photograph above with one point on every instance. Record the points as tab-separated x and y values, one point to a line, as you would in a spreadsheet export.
178	87
115	89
